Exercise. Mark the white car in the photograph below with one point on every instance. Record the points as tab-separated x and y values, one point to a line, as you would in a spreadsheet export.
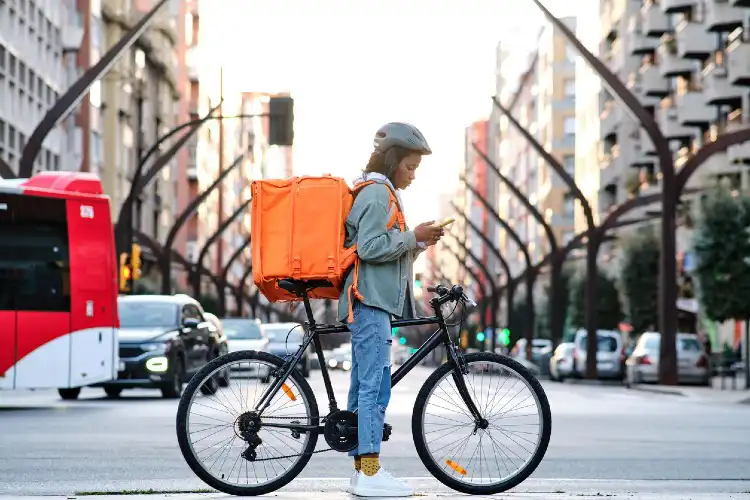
245	334
609	353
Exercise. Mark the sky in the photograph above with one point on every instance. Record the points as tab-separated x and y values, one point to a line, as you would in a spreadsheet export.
354	65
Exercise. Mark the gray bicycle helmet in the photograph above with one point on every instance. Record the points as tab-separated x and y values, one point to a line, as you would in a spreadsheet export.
400	134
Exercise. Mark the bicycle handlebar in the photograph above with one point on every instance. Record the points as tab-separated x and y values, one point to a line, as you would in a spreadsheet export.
454	293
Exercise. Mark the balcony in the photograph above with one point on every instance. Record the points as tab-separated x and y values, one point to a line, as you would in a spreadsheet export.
652	83
692	110
739	153
611	167
670	63
693	41
655	21
675	6
720	15
609	119
635	84
668	120
638	42
716	87
738	63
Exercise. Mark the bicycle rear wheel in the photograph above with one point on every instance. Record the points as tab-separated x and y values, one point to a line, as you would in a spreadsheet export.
227	444
455	449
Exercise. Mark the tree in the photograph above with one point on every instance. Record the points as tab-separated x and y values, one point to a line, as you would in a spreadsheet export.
639	279
721	246
610	311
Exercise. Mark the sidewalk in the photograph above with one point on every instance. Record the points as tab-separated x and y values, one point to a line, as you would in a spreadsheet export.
712	394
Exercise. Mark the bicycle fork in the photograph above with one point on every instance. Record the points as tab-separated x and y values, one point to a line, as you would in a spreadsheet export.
459	370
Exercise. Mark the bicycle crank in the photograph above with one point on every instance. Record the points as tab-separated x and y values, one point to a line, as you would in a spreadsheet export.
340	430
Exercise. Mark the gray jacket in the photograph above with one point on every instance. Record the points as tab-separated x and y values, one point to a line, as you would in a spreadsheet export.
387	256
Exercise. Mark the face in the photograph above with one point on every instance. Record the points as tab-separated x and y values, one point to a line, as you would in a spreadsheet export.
405	173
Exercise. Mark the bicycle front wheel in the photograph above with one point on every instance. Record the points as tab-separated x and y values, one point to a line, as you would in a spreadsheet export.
227	443
497	454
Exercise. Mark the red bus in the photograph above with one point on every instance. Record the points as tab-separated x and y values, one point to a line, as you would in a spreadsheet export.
58	286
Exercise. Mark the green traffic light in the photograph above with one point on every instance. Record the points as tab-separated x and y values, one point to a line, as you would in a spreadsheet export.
402	341
505	336
394	331
480	337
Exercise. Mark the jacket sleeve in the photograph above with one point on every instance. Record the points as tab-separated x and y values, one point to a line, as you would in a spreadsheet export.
375	243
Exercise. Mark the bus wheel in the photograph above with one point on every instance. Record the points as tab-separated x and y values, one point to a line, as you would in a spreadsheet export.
69	394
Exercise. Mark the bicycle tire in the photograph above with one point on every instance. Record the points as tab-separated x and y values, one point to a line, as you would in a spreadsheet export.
182	431
437	471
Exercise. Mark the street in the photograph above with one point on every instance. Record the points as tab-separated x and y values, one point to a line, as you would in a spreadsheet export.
604	439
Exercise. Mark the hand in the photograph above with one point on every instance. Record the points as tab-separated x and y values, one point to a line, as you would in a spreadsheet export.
428	233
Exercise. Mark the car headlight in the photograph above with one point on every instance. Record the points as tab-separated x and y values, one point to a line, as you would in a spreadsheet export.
347	365
332	363
157	346
157	364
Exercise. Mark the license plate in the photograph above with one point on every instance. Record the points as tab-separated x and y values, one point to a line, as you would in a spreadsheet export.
121	366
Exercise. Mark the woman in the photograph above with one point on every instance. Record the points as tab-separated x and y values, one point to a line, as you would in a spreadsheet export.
385	290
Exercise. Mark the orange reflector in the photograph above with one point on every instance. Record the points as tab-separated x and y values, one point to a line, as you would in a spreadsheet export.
453	465
288	392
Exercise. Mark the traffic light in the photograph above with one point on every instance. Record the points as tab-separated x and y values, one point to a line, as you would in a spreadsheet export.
505	336
464	339
135	261
124	273
394	331
281	121
480	336
402	340
418	280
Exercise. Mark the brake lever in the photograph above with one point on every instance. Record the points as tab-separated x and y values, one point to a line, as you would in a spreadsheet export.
468	300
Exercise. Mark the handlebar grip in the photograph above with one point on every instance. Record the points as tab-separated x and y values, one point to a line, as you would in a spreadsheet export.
432	289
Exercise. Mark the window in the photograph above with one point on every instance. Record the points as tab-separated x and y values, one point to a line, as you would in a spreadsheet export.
570	87
569	125
568	205
569	162
141	314
570	53
34	259
243	329
605	343
190	311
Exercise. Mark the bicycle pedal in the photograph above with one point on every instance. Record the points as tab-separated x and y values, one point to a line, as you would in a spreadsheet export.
387	429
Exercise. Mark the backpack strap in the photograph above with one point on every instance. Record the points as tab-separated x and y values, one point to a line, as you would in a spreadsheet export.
396	217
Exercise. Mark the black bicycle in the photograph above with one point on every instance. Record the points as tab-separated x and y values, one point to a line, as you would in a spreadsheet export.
256	439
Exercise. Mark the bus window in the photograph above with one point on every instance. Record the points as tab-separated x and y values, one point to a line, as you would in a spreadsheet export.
34	262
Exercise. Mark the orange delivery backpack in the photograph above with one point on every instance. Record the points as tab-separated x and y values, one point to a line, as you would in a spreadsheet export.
298	232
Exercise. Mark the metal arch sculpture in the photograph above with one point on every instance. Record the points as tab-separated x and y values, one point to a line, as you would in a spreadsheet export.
166	263
531	276
480	300
556	315
73	96
211	240
223	276
668	263
591	245
509	284
490	281
158	251
704	153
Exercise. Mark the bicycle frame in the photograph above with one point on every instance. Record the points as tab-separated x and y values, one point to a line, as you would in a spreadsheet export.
441	335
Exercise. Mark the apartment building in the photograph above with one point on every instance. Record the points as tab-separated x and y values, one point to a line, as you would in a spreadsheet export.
687	61
43	45
138	107
540	90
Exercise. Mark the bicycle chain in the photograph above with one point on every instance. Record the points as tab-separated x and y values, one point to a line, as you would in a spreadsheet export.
297	454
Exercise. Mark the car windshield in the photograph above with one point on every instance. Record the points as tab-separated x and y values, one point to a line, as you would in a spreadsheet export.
277	333
147	314
241	329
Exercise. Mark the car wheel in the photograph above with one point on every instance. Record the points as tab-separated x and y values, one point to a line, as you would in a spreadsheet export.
173	388
113	392
69	394
224	378
211	386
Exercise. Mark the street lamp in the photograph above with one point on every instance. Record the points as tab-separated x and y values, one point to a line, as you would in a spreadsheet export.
166	262
556	316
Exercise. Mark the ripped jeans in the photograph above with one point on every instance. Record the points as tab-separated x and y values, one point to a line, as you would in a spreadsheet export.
370	386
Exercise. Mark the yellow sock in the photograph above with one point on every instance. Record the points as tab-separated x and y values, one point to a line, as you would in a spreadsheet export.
370	465
358	463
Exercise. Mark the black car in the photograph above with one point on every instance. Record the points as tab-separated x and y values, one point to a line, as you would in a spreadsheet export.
164	340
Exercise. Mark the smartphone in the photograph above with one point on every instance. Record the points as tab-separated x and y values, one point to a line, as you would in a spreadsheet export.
447	222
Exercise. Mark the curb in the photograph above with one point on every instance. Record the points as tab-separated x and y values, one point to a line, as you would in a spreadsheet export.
658	390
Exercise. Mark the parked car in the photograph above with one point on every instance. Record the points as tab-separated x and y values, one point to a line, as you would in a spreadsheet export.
341	358
163	341
537	346
284	339
609	353
561	362
245	334
692	362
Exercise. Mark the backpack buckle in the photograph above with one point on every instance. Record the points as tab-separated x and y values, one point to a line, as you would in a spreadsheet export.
296	267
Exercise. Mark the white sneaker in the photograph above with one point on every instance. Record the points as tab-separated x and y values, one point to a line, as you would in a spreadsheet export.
353	482
382	484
